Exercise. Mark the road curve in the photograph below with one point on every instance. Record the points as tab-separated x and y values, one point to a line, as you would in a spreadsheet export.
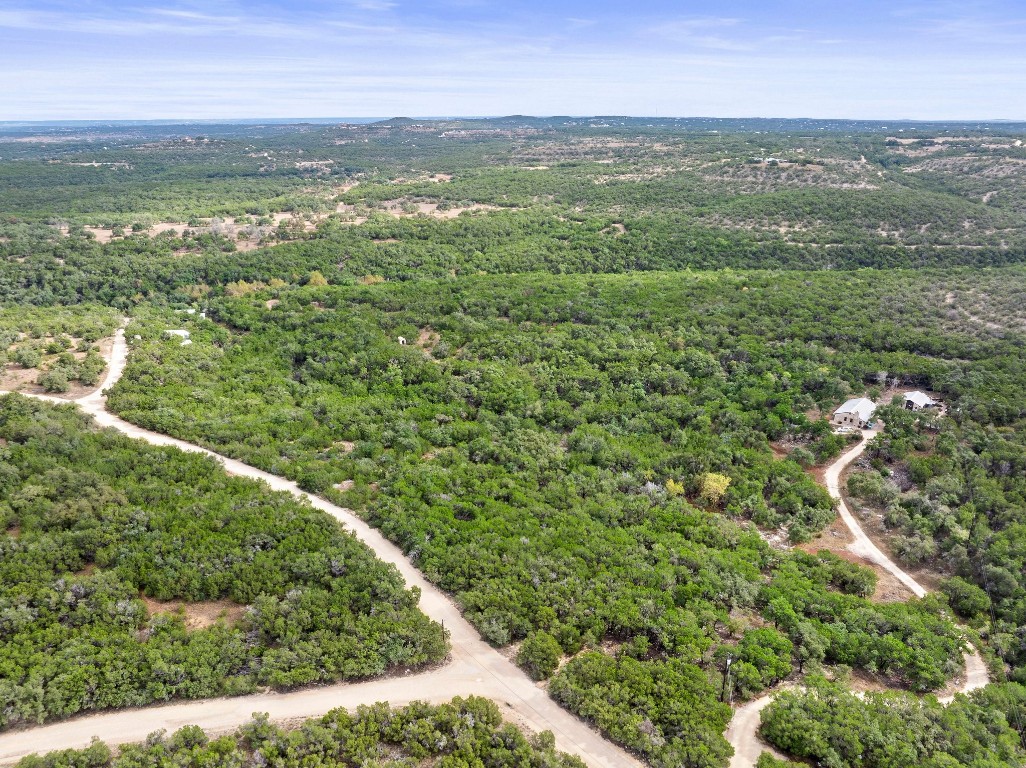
977	675
475	667
743	731
862	545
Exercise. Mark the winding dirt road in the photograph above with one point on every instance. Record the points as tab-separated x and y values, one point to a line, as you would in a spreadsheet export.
475	667
742	733
862	545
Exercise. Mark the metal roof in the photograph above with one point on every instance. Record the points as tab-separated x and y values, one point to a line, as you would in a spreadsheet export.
921	399
863	406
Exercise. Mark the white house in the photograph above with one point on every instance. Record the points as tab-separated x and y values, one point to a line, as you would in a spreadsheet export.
917	401
857	412
180	333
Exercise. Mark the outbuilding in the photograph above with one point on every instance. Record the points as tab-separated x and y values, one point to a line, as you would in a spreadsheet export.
180	333
917	401
857	413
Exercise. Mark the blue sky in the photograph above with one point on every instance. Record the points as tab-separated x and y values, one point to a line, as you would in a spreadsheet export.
82	59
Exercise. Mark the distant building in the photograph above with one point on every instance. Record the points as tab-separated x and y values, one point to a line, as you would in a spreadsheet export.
917	401
180	333
857	412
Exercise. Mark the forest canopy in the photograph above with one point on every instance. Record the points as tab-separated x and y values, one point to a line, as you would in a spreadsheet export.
98	529
577	369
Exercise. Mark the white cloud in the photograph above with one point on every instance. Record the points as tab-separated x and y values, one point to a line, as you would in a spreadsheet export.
179	14
700	23
372	5
219	60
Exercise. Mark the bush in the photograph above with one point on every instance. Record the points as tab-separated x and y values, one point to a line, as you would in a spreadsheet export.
316	279
667	711
916	548
463	732
59	344
28	357
539	655
55	380
966	599
830	726
769	652
713	487
766	760
803	457
873	487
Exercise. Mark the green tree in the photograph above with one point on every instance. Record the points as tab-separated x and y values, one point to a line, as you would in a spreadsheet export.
539	655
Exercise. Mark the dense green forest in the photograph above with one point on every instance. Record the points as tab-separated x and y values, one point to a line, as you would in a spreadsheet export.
953	492
39	267
93	521
576	368
582	457
558	197
466	733
87	322
836	729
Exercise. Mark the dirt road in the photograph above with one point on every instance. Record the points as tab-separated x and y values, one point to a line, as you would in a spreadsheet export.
742	733
476	668
976	675
862	545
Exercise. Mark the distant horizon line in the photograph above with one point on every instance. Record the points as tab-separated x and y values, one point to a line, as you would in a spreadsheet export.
363	120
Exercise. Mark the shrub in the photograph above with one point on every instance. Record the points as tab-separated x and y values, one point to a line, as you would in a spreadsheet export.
803	457
713	487
55	380
539	655
966	599
873	487
27	357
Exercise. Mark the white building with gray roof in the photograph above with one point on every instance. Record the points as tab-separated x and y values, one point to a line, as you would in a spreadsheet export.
857	413
917	401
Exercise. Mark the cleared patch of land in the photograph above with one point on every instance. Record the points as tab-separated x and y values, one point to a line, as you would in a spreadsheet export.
197	615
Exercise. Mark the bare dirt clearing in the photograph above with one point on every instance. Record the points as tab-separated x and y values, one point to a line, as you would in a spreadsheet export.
402	208
15	378
249	235
428	339
197	615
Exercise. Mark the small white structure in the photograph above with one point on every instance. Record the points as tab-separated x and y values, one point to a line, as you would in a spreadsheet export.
402	341
857	412
917	401
180	333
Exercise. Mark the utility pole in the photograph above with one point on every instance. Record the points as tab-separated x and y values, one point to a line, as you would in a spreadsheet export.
726	680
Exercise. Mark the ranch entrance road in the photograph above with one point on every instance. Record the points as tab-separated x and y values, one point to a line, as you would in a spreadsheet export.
475	667
742	733
862	545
